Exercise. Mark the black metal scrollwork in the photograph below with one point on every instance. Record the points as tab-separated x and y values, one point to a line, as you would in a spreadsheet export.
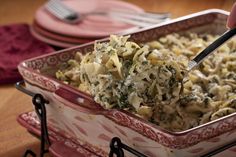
116	148
39	104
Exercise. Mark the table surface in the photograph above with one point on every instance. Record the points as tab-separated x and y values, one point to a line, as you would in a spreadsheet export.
14	139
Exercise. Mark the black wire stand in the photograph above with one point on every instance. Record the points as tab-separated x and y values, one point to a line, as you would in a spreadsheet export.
116	146
39	104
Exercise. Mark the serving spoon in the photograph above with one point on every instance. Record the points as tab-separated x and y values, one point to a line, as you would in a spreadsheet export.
208	50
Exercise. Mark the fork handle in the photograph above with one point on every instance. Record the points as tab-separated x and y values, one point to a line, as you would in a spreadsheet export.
218	42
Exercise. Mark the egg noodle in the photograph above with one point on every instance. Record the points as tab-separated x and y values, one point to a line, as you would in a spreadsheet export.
147	79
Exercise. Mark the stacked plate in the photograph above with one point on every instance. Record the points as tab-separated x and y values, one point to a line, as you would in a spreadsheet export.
49	29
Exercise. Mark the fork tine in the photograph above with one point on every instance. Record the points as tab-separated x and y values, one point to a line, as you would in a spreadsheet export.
61	7
54	6
62	12
55	12
58	4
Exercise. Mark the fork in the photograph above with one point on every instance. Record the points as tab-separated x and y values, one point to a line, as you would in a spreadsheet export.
62	12
66	14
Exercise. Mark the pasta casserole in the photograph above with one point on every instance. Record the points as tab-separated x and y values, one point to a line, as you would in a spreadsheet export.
147	79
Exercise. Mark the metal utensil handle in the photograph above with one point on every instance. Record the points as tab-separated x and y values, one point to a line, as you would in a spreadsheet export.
218	42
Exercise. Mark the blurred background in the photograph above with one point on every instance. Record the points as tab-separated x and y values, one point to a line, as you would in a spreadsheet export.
13	11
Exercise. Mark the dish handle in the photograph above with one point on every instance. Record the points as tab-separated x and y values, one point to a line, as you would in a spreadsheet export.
77	100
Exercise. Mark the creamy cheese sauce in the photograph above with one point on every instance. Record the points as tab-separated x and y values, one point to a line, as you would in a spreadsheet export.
147	79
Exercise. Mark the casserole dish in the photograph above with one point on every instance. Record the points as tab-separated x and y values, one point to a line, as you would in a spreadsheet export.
77	116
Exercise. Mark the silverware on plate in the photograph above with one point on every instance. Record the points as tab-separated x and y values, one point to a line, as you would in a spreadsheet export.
68	15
